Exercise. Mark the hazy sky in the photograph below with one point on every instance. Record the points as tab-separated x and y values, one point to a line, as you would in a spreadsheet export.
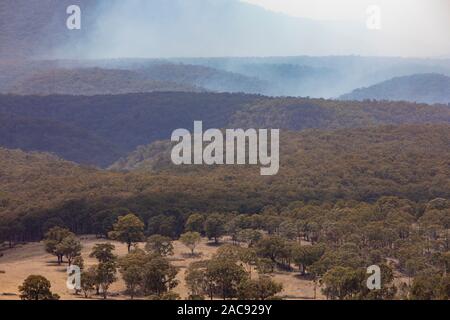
189	28
409	27
402	10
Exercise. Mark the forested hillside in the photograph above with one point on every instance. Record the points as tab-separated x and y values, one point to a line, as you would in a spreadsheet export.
299	114
69	142
98	130
91	81
112	77
30	28
424	88
316	167
124	121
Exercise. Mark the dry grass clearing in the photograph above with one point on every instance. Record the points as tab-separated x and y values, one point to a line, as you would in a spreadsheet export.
18	263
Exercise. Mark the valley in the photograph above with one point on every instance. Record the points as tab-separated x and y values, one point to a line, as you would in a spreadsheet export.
124	139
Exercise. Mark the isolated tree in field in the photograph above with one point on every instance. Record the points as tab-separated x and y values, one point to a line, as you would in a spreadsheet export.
159	245
215	226
147	273
191	240
128	229
159	276
106	275
132	270
53	238
89	281
195	223
225	275
103	252
36	287
197	282
70	247
262	288
133	277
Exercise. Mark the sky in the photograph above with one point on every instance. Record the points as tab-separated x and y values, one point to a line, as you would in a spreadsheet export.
417	27
209	28
402	10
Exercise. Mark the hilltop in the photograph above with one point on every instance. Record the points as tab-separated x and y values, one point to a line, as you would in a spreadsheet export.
422	88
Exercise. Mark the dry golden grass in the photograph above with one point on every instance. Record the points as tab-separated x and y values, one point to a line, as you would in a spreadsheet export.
20	262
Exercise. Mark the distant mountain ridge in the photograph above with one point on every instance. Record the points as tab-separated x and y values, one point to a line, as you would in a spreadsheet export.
406	161
143	28
87	78
91	81
317	77
100	129
422	88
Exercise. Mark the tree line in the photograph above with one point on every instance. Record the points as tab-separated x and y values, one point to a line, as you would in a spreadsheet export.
329	245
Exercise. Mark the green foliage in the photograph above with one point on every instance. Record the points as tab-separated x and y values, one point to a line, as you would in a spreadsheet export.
147	274
103	252
165	225
425	287
343	283
70	247
36	288
105	276
159	276
159	245
195	223
191	240
61	242
273	247
129	229
305	256
215	226
99	130
89	281
103	221
79	262
426	88
224	276
133	277
262	288
220	276
359	155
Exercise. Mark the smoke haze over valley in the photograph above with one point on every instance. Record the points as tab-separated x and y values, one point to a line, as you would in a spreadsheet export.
208	28
96	104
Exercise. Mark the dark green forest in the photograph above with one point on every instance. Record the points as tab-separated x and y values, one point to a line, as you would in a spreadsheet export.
85	150
361	183
99	130
426	88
